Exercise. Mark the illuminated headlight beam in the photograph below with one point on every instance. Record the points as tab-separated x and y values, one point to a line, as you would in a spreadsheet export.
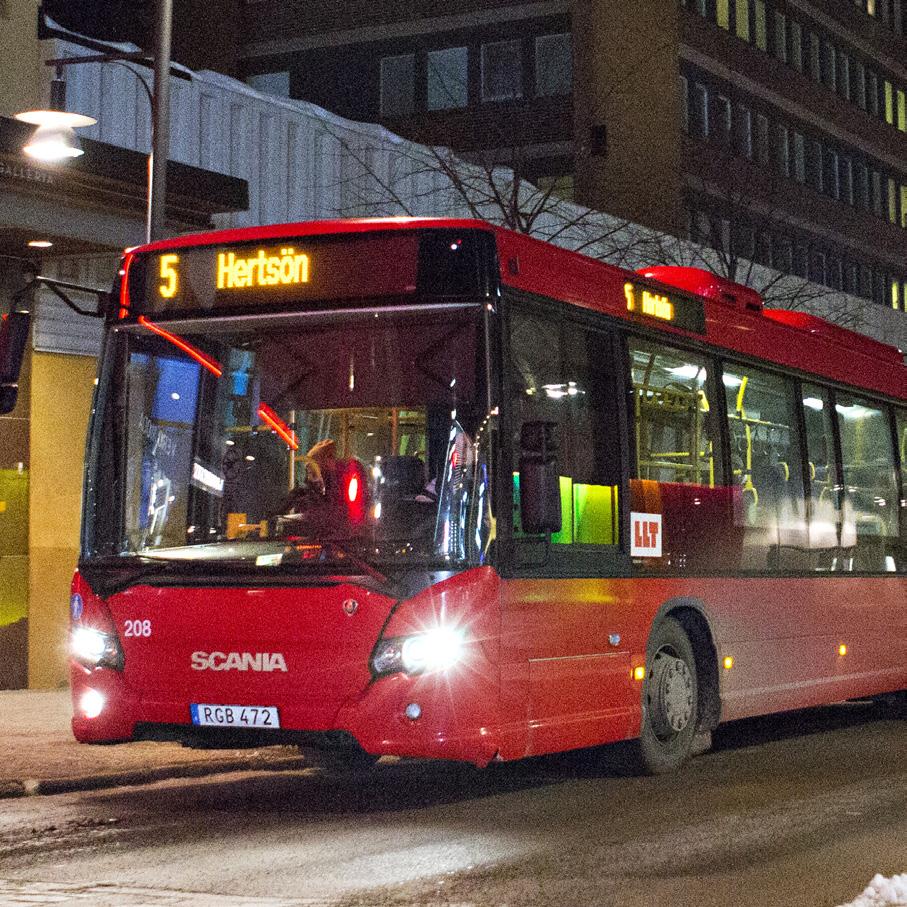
435	650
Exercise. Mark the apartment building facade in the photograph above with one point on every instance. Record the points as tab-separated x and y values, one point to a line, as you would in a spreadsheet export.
773	130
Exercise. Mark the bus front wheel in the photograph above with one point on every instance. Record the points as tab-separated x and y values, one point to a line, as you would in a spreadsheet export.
670	700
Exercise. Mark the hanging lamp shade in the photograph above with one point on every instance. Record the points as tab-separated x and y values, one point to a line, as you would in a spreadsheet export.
55	138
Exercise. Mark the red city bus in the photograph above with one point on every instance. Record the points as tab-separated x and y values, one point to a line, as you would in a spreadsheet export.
432	488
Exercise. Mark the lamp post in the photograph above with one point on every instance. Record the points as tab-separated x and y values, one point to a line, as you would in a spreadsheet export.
160	129
54	139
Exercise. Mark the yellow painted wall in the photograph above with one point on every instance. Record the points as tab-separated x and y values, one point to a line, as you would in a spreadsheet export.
23	80
61	390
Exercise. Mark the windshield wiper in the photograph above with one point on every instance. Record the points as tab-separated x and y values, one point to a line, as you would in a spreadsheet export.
339	547
122	570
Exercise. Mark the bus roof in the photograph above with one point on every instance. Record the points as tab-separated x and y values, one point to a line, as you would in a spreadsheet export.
734	319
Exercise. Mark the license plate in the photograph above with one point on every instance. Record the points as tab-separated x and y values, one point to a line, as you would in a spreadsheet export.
261	716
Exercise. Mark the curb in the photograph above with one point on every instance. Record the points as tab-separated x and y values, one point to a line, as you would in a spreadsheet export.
41	786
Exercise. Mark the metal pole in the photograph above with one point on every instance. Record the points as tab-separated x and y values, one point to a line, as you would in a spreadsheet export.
160	125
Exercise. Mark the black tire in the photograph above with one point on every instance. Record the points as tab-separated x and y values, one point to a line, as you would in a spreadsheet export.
670	700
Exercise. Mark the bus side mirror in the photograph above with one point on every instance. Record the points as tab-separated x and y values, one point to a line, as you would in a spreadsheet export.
13	337
540	490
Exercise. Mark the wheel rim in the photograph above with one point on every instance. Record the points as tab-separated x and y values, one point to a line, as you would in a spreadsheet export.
670	694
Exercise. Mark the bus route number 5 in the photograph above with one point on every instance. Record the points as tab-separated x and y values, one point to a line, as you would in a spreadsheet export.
169	276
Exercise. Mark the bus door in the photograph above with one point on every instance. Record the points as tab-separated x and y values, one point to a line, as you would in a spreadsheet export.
561	614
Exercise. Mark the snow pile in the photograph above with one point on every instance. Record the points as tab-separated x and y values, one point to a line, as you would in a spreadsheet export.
882	892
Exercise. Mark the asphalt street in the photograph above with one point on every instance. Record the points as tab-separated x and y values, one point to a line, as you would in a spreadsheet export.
791	810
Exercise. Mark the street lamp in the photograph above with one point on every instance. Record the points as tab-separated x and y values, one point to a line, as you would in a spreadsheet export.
55	140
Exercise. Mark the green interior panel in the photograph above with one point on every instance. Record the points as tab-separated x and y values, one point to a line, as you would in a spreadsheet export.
595	514
565	536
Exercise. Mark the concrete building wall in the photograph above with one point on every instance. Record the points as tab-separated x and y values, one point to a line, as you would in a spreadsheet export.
627	112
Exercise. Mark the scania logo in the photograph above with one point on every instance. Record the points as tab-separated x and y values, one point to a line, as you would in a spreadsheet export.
238	661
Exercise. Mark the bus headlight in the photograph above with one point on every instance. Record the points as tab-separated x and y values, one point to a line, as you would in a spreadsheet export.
436	650
95	649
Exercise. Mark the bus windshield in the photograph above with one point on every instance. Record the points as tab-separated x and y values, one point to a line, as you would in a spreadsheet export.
296	442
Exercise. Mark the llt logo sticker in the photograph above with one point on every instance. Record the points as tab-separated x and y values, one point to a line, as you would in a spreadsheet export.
645	535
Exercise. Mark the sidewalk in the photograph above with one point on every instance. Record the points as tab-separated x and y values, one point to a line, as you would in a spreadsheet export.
38	754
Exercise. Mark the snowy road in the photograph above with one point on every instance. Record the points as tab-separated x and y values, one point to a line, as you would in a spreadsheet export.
794	810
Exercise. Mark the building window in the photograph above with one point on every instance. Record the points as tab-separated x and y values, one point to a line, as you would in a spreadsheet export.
872	93
684	91
846	166
831	173
700	124
723	13
843	75
448	85
761	26
860	84
877	193
892	201
799	158
852	278
861	186
721	131
889	103
904	206
553	65
815	57
814	166
782	154
742	19
744	131
761	138
796	46
817	267
273	83
398	77
502	71
781	37
902	110
563	186
782	256
829	68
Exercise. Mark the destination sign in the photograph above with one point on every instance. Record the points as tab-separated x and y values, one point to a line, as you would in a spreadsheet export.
681	311
307	272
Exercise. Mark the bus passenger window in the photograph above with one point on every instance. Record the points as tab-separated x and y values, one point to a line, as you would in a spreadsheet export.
901	427
563	373
870	518
679	475
766	468
824	525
